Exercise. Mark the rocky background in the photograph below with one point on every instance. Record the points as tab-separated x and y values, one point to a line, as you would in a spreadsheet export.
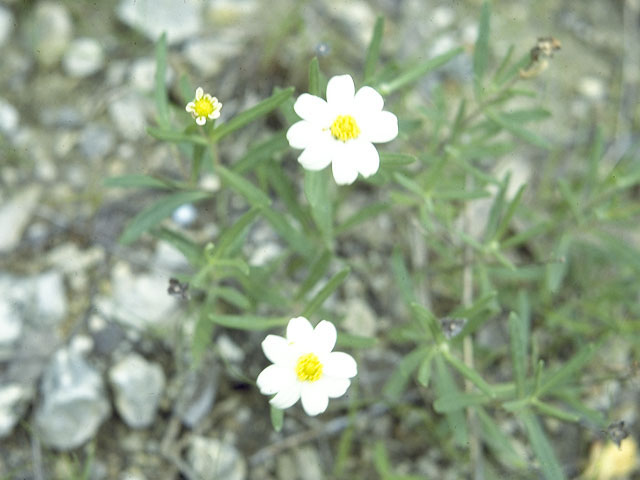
95	376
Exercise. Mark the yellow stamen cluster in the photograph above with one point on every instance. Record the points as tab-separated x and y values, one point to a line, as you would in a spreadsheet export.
204	107
308	368
345	128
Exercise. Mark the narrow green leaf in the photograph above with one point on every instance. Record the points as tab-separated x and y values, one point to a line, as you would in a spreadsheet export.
526	115
495	213
316	271
504	63
247	322
459	401
402	277
499	442
176	137
234	297
244	187
569	370
287	191
363	215
157	212
395	387
445	385
136	181
277	418
517	130
373	52
262	152
551	411
541	446
424	371
202	334
481	50
186	89
458	194
518	351
428	322
191	250
393	160
330	287
511	210
316	189
416	72
289	234
526	235
251	114
229	236
557	269
509	73
160	91
348	341
314	77
381	460
469	373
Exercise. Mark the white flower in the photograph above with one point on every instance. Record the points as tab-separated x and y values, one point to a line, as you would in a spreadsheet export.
341	130
305	367
203	107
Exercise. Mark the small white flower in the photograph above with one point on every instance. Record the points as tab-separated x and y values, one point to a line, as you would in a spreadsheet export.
341	130
304	367
203	107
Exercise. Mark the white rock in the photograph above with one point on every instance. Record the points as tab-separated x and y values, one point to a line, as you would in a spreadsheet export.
185	214
127	114
96	141
14	399
197	395
50	299
212	459
15	215
592	87
73	403
229	13
138	387
138	301
69	259
9	118
442	16
360	319
10	326
229	350
168	258
83	58
180	20
143	74
6	25
52	30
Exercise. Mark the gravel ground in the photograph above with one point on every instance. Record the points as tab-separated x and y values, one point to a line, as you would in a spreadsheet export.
94	364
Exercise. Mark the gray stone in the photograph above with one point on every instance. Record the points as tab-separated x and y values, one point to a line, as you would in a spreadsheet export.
14	400
185	215
197	395
168	258
65	117
212	459
11	326
51	32
83	58
138	301
6	25
142	74
180	20
309	465
73	403
360	319
208	55
138	386
15	214
96	142
127	114
9	118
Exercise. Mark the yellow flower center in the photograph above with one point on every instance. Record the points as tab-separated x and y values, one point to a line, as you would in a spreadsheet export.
345	128
308	368
204	107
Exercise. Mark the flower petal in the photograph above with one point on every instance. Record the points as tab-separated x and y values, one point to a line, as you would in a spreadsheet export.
273	379
190	107
313	109
340	91
316	156
287	396
345	169
302	134
299	330
379	128
365	156
201	120
314	398
340	365
335	387
215	114
199	93
276	349
368	100
324	337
